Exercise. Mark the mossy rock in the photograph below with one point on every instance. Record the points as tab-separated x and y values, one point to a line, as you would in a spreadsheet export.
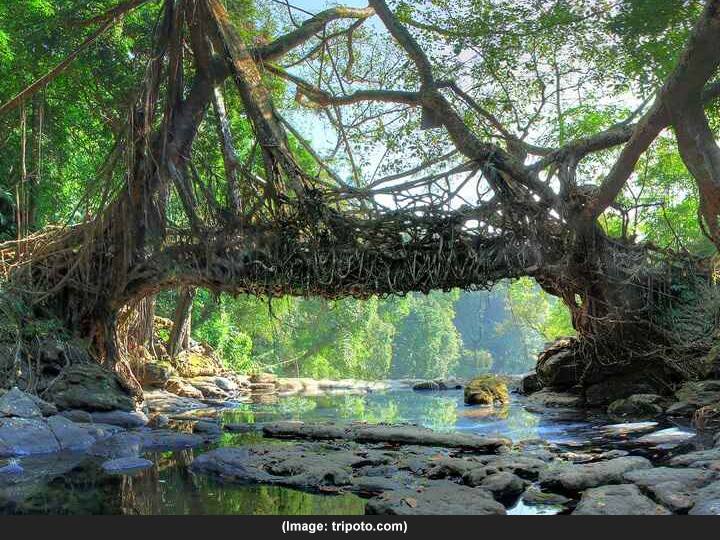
487	390
192	364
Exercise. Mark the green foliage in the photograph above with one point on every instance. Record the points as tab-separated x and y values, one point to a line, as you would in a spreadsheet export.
544	314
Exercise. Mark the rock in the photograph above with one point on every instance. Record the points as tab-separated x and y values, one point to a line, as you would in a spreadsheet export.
169	440
159	421
18	404
438	498
263	388
209	428
126	419
559	366
699	460
181	388
552	399
289	386
486	390
529	383
369	486
535	496
378	433
165	402
699	393
46	408
241	428
623	499
120	445
26	436
614	388
126	465
209	389
707	500
90	387
524	466
223	383
155	374
629	427
505	486
637	406
75	415
197	363
681	408
671	487
437	385
666	438
265	378
572	478
71	436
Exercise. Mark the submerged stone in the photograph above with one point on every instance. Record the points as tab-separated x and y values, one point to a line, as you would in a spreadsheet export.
126	465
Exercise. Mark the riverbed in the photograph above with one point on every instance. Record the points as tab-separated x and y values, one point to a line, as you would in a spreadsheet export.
75	484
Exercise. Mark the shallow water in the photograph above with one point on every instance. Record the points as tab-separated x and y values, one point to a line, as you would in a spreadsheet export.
76	485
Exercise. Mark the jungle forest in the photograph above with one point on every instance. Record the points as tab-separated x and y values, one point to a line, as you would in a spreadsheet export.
409	224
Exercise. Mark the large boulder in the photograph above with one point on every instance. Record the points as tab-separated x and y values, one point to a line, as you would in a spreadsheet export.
547	398
559	366
673	487
26	436
155	374
619	500
198	362
19	404
486	390
529	383
694	395
90	387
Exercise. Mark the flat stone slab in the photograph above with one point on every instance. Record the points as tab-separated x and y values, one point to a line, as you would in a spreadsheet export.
439	498
617	500
578	477
126	419
126	465
378	433
700	459
666	438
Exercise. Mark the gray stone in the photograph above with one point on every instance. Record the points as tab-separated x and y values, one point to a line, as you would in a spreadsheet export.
155	375
126	465
666	438
378	433
559	367
708	507
699	393
681	408
169	440
120	445
438	498
535	496
670	486
572	478
76	415
623	499
18	404
505	486
90	387
618	387
46	408
637	406
71	436
26	436
699	459
551	399
209	428
529	383
126	419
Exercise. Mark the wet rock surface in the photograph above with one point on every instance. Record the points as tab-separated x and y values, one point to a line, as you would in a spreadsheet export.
401	434
621	499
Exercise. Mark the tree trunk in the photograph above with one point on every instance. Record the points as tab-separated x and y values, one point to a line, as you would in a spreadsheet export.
180	334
